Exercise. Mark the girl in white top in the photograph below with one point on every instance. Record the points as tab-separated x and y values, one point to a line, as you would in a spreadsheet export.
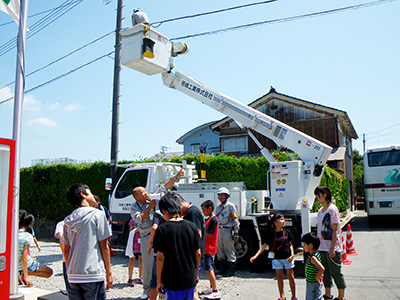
329	233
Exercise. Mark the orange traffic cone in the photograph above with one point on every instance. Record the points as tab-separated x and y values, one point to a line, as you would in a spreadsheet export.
349	242
344	253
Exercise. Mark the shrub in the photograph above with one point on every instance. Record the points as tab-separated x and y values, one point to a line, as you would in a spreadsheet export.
43	187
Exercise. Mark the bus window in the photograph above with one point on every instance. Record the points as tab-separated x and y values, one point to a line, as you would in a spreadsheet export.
389	158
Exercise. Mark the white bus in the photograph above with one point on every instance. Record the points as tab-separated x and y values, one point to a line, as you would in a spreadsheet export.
382	181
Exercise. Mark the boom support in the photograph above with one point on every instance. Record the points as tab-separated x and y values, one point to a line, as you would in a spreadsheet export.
309	149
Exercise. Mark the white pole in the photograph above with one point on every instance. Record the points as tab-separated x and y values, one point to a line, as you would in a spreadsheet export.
18	100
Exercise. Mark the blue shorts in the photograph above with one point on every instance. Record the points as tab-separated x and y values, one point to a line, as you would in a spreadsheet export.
34	266
180	295
280	264
208	262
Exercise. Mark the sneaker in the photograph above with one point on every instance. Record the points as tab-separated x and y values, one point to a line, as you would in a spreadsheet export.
294	298
131	283
213	295
140	280
284	298
144	296
327	297
207	292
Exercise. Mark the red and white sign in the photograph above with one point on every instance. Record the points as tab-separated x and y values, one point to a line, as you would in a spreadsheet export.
7	168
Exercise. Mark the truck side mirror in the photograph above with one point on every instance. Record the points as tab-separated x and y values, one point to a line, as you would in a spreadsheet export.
108	184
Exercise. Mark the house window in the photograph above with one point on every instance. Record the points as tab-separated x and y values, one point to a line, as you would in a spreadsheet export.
196	149
234	144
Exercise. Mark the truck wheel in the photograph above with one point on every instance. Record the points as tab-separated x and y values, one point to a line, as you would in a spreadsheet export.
245	247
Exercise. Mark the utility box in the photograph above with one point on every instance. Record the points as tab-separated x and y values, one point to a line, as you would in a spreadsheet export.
132	40
286	185
7	167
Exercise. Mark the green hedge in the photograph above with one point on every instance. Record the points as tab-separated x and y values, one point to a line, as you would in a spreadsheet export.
339	188
43	187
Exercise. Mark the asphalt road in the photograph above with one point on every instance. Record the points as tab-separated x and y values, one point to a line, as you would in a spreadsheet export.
373	274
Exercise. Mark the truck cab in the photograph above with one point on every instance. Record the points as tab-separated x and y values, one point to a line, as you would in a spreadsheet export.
151	176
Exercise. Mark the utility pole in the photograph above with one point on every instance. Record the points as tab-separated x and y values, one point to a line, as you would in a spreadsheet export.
116	97
364	142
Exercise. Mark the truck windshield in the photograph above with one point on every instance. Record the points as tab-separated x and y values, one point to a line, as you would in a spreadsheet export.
129	181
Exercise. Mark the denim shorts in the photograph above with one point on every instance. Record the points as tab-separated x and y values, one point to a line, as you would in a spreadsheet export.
34	266
313	291
279	264
208	262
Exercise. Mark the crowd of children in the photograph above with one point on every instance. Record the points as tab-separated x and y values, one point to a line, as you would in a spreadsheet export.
322	249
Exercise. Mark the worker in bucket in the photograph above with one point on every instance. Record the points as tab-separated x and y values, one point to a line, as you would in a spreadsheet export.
139	16
228	233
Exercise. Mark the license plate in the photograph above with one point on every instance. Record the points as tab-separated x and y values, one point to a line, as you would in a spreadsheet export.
385	204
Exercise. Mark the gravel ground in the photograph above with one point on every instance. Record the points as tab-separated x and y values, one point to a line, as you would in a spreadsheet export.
52	257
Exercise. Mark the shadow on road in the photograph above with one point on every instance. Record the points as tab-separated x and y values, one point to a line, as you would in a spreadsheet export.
384	223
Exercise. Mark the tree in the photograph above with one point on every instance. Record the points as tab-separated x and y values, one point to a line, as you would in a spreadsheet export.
358	173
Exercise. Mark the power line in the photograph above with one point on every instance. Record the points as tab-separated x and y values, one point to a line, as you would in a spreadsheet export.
13	40
283	20
380	131
63	57
31	16
54	15
61	76
159	23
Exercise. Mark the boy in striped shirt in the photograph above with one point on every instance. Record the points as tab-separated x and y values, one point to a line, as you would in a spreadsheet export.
314	268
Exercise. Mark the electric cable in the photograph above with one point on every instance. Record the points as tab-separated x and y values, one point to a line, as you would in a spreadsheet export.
31	16
42	23
380	131
33	26
281	20
284	20
11	43
159	23
63	57
60	76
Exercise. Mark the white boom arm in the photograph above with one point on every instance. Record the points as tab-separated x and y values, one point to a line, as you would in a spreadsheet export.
308	148
292	183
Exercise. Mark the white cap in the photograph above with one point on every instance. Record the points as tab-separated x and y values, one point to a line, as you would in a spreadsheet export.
223	190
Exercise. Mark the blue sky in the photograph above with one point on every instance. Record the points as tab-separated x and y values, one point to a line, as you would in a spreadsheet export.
348	61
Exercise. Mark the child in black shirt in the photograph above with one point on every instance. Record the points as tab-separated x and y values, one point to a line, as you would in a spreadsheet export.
281	251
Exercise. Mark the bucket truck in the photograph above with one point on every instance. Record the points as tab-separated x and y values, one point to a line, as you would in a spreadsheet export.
292	183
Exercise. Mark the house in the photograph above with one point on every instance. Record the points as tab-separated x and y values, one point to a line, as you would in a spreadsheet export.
327	124
198	137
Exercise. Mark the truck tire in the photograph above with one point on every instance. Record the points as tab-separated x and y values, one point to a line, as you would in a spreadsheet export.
245	247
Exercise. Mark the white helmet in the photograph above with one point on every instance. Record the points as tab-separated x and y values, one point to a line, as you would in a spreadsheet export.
223	190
